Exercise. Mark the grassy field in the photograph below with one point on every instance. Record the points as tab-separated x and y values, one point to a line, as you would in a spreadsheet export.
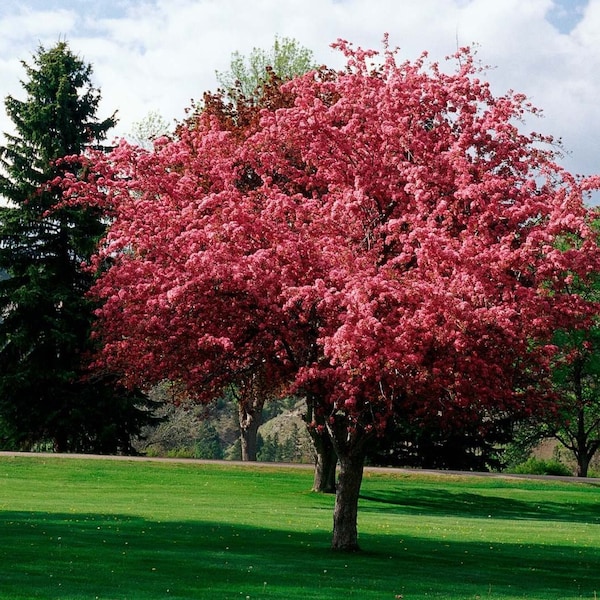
85	529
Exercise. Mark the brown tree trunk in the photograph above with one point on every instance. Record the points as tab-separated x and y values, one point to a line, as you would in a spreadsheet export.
251	397
583	465
250	414
325	463
325	455
350	443
345	514
584	447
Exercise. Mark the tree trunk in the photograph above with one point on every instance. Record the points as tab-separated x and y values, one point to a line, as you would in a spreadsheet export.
325	463
345	529
583	464
325	454
582	438
251	396
350	443
249	424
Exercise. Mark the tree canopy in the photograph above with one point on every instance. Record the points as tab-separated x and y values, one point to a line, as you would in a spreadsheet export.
382	244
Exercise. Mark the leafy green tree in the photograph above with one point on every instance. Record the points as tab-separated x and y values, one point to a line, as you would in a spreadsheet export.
145	131
248	75
46	399
575	420
576	425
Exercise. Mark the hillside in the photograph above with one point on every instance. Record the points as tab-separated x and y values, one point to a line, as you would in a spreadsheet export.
212	431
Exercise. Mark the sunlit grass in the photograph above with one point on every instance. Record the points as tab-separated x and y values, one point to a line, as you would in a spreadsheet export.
80	529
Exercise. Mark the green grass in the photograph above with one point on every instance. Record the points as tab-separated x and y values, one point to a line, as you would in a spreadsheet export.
85	529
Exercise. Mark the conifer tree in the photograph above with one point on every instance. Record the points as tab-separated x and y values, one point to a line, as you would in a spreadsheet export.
45	317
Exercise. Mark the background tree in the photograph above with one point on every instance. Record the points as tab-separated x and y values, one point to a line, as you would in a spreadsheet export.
145	131
384	245
250	393
434	443
44	333
248	75
576	422
208	445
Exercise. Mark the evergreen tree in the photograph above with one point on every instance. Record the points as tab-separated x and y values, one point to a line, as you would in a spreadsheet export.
46	400
208	444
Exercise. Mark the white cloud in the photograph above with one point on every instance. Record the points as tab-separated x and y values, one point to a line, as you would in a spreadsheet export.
159	54
28	23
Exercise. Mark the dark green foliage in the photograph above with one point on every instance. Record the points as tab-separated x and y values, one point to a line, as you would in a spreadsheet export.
286	448
208	445
271	449
526	436
576	421
185	429
45	398
234	452
576	425
434	445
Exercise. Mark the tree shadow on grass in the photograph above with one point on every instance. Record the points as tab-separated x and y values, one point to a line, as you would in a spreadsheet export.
465	504
74	556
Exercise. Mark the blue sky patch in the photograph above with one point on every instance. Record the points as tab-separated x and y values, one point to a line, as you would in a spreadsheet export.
566	14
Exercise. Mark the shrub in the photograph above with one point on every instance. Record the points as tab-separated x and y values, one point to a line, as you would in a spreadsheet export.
536	466
180	453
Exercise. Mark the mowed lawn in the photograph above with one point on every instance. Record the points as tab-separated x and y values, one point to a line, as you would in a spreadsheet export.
136	530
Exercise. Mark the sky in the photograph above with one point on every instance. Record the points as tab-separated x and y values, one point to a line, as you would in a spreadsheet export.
160	55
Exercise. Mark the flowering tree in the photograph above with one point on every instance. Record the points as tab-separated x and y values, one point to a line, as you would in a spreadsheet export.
383	244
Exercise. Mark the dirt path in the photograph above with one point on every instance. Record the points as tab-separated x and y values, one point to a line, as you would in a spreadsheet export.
391	470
